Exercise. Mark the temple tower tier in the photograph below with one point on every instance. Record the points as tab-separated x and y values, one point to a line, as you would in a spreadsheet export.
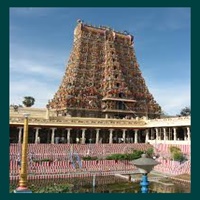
103	78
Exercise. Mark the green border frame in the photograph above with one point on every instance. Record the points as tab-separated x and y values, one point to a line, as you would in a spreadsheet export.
4	78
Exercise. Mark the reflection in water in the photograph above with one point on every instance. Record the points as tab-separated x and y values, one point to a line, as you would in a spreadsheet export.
104	184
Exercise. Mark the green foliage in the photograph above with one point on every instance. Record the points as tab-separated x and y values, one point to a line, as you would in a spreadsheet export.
176	154
43	160
90	158
28	101
174	149
54	188
150	152
185	111
116	157
137	154
132	156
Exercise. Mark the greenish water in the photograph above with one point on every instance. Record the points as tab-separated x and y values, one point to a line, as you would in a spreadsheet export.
109	184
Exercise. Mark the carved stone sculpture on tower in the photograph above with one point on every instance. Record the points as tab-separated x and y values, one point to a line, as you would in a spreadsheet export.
103	78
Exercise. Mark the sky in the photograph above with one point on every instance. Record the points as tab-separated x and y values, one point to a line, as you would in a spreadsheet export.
41	40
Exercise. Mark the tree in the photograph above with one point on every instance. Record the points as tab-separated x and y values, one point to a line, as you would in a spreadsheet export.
174	149
176	154
150	152
185	111
28	101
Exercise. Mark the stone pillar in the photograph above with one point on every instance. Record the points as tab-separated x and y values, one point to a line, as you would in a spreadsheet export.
185	134
152	137
156	133
97	136
188	134
37	135
20	135
175	138
136	136
83	135
159	134
164	133
111	135
68	135
167	133
170	134
124	135
52	135
147	135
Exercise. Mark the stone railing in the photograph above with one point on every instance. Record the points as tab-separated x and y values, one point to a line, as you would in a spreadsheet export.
40	116
169	122
82	122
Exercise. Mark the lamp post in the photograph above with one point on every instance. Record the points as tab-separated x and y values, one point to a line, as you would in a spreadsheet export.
23	171
145	165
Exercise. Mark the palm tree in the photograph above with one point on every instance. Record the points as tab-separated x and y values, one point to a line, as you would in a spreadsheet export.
28	101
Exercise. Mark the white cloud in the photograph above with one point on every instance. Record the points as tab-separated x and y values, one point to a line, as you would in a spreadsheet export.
42	91
33	67
34	72
37	70
172	97
36	61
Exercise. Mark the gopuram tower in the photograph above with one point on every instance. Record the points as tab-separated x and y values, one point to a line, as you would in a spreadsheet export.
103	78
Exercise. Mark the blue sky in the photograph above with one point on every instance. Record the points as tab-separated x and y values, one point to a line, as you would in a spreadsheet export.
41	40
